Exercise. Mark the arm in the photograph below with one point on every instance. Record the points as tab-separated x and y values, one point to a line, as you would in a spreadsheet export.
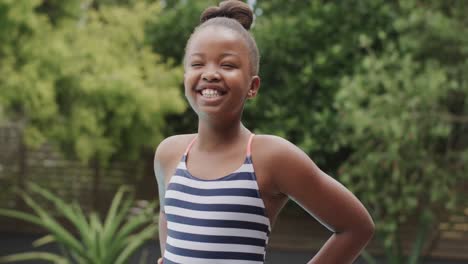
162	233
166	158
297	176
160	178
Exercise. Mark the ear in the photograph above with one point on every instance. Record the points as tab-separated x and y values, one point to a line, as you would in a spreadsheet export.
254	87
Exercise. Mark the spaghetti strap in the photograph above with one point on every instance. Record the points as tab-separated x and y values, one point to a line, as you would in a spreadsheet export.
249	145
190	145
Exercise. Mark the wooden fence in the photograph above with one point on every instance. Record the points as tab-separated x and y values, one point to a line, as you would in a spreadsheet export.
70	179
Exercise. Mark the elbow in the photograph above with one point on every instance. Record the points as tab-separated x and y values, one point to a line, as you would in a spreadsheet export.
363	231
368	230
371	230
360	231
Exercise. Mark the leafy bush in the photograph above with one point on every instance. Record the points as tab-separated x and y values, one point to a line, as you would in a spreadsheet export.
82	78
113	240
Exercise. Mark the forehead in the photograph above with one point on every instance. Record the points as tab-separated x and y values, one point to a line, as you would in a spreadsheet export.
214	40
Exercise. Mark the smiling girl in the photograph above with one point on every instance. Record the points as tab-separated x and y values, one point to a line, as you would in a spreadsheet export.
222	188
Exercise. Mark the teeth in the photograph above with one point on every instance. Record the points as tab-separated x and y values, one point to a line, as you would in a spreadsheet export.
210	93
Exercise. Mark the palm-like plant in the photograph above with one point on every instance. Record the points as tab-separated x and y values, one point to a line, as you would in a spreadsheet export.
112	241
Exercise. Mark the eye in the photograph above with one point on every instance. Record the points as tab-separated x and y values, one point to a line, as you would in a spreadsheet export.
228	66
196	64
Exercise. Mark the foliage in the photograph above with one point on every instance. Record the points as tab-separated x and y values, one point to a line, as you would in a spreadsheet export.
84	77
113	240
169	33
404	115
305	49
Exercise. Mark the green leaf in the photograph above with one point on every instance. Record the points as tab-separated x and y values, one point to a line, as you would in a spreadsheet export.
22	216
134	242
58	231
74	216
34	256
43	241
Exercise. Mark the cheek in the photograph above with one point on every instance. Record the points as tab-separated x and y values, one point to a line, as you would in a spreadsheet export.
236	76
189	79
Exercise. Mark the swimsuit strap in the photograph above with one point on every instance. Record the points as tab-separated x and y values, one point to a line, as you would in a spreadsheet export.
190	145
249	145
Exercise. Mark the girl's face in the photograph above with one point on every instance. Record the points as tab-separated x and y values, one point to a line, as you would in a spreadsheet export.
218	75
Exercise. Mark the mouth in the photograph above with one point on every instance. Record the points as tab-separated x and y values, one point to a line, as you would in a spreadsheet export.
211	91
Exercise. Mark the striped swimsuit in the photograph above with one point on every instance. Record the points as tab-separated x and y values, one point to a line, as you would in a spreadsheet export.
215	221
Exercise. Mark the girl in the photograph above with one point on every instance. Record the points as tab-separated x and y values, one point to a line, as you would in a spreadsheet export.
222	188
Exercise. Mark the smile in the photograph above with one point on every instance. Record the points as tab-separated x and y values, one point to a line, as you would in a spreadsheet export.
210	93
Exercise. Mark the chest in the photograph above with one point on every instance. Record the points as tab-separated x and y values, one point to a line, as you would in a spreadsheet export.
211	166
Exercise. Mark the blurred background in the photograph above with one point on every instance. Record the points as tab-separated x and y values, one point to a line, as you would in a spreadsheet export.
374	91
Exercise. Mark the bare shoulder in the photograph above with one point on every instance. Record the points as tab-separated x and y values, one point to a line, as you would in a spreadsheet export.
274	148
272	141
169	152
277	159
173	145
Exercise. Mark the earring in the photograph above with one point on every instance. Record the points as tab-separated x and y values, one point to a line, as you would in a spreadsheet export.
250	93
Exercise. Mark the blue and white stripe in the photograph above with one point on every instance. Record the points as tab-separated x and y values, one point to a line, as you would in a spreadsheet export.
220	221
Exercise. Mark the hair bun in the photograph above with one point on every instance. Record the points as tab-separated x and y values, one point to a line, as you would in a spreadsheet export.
234	9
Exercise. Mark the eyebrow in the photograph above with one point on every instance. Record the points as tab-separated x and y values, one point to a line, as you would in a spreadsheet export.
225	54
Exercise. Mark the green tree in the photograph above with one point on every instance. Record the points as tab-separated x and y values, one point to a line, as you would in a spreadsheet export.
169	33
404	115
305	49
84	78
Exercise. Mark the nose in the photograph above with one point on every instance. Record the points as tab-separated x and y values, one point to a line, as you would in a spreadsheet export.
211	75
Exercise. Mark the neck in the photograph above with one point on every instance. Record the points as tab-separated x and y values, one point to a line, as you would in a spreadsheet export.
212	136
